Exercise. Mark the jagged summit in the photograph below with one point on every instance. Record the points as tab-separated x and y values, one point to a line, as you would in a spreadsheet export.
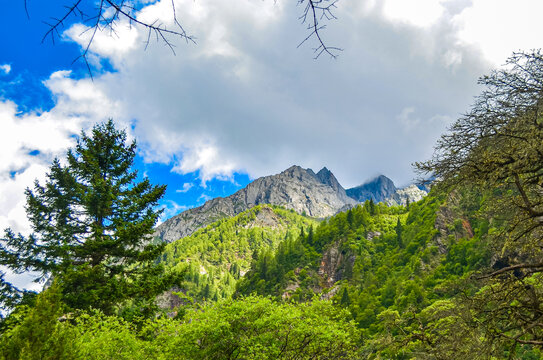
302	190
379	189
319	195
382	189
327	178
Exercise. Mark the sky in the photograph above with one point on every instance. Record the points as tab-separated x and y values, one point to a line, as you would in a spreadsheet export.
245	100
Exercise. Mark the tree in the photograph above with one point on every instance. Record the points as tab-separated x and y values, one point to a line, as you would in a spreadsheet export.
259	328
398	230
345	299
91	223
105	16
36	332
497	147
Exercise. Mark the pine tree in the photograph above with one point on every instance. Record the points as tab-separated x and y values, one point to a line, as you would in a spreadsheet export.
310	235
350	217
345	299
399	233
91	224
372	207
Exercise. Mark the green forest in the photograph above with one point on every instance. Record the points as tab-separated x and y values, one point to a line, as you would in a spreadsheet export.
456	275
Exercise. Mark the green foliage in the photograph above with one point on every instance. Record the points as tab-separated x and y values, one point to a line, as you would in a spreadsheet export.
249	328
398	261
214	257
497	149
36	333
258	328
90	223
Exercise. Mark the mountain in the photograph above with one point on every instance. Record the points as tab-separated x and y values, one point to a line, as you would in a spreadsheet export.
318	195
378	189
382	189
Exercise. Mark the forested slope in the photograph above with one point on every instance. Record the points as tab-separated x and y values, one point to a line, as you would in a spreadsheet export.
387	265
215	257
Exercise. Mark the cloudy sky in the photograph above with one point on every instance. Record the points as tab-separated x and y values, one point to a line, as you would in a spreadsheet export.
244	100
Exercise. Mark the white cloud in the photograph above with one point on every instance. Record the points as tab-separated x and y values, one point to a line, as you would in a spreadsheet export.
29	142
203	198
406	118
420	13
186	187
5	68
206	159
245	99
170	208
499	27
113	45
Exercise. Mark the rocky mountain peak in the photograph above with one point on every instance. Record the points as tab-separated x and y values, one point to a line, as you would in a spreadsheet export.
379	189
318	195
295	188
326	177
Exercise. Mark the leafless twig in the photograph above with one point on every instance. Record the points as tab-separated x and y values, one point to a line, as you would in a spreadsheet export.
315	11
105	16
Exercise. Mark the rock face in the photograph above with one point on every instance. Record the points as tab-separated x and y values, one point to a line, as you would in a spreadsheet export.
378	189
335	265
326	177
410	193
318	195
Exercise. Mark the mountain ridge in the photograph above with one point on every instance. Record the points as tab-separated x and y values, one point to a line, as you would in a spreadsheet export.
314	194
318	195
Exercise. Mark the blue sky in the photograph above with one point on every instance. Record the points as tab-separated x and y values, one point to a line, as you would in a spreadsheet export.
32	59
245	101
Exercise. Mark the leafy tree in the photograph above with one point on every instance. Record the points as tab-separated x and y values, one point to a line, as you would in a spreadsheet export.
226	248
259	328
345	300
497	147
36	332
91	223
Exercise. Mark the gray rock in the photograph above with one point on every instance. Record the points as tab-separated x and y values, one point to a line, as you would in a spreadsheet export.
411	193
382	189
378	189
318	195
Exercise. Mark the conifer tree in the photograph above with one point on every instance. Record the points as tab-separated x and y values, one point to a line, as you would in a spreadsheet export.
91	223
372	207
310	235
345	299
399	233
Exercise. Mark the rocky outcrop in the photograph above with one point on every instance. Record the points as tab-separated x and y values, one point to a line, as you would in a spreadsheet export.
326	177
382	189
336	264
409	194
318	195
451	220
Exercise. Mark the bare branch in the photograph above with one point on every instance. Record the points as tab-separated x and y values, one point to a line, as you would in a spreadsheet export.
106	16
512	268
314	11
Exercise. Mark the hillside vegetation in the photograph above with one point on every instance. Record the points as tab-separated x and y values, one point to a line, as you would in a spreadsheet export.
214	258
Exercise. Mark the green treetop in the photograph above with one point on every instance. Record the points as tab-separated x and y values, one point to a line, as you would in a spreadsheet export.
91	221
